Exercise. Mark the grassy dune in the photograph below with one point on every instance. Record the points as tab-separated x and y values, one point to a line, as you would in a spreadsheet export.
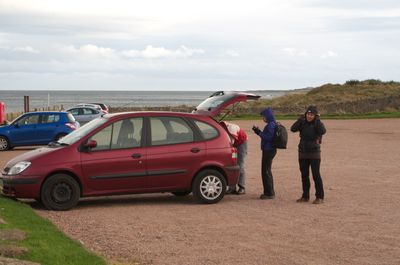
353	98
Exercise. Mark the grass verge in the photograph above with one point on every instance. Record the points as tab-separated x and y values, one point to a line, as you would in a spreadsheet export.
45	243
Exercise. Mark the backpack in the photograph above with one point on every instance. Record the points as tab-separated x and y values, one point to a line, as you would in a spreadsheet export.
280	137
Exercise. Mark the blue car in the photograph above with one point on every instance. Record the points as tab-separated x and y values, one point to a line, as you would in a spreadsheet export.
36	128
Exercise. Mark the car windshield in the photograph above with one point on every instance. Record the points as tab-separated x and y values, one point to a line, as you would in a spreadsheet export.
76	135
214	102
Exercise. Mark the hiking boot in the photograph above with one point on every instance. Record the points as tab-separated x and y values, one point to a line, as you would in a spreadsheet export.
302	199
241	191
231	191
266	197
318	201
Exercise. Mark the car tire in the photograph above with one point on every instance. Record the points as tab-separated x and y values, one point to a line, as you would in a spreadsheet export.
60	192
181	193
209	186
59	136
4	143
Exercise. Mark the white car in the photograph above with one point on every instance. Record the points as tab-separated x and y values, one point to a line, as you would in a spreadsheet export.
90	105
84	114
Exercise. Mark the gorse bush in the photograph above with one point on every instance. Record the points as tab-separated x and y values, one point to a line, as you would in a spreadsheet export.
352	82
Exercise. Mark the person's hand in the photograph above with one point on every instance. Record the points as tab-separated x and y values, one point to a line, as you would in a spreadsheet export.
256	130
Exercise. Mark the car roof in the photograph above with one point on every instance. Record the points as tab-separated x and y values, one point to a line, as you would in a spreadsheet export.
83	107
151	113
45	112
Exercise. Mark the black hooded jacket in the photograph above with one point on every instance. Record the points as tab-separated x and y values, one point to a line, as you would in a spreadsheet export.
310	134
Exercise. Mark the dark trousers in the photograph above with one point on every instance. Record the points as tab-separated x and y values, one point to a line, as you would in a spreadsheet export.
305	179
266	173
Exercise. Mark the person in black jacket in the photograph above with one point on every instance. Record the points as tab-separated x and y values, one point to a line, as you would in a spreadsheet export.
311	130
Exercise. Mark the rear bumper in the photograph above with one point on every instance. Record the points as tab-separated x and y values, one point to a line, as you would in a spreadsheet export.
20	186
232	173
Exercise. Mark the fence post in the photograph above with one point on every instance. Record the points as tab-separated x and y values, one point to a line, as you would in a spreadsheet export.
26	103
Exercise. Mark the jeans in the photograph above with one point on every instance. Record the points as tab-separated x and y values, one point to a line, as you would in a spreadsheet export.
266	173
305	179
242	153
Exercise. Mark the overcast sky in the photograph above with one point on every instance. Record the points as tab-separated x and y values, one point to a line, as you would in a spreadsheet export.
196	45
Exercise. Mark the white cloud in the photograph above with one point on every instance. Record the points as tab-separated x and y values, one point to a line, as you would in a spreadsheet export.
24	49
232	53
329	54
151	52
294	52
90	50
27	49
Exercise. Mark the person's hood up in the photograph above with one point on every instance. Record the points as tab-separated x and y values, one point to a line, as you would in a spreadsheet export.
267	113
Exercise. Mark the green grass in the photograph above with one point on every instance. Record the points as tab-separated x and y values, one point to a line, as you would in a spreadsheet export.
45	243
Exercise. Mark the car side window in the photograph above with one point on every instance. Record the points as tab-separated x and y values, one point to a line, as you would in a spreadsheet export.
170	130
74	112
50	118
127	133
103	138
122	134
207	131
29	120
89	111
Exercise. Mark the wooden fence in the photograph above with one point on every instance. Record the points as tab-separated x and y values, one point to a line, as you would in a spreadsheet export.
12	115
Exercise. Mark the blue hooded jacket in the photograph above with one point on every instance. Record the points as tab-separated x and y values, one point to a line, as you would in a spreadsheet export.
269	130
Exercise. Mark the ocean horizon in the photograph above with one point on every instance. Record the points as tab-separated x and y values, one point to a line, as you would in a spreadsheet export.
14	99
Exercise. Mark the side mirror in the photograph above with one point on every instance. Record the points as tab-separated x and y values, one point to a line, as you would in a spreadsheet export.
90	144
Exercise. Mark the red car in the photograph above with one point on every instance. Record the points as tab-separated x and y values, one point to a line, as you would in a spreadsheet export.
136	152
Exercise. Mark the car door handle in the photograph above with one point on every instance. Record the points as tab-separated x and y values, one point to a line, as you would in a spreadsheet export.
137	155
195	150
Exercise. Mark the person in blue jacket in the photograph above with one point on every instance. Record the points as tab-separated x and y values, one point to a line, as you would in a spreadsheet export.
268	152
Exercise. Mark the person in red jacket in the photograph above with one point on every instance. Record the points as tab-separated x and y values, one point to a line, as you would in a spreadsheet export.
240	142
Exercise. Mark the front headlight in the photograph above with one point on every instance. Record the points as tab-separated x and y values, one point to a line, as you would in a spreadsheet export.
19	167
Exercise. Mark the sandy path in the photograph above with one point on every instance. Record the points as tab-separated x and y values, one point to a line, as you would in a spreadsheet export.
359	223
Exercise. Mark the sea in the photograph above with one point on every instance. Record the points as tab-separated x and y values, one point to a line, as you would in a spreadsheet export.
14	99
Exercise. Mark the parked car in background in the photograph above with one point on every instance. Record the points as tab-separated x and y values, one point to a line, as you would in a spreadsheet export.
36	128
103	106
132	152
84	114
90	105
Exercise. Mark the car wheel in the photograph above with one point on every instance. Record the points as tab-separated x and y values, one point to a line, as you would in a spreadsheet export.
59	136
209	186
60	192
181	193
4	143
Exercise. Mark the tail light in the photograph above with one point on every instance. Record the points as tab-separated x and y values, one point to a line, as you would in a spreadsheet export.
234	155
71	125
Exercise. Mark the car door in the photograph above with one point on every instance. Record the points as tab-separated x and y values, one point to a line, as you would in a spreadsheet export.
89	114
77	113
118	163
48	126
173	155
24	131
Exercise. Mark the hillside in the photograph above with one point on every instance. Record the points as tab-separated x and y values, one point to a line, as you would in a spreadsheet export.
352	97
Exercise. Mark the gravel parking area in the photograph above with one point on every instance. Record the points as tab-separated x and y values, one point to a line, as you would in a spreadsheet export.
359	222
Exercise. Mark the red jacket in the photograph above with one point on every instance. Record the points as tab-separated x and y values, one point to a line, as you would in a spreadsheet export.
237	133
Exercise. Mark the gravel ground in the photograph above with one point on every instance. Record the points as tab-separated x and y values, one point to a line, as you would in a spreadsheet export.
359	222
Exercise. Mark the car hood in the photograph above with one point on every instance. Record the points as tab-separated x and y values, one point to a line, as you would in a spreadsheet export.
4	127
220	100
32	155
